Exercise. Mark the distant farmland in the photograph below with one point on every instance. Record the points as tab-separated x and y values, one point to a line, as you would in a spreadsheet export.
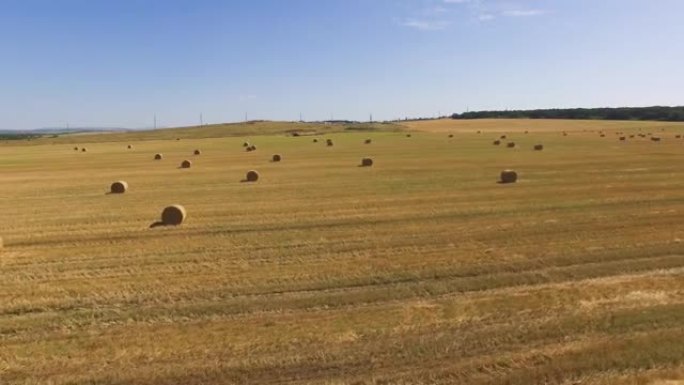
421	269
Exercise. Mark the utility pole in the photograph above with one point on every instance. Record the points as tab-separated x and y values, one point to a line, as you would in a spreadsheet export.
371	117
300	118
155	121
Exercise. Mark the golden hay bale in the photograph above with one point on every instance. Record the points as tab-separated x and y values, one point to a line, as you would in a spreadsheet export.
509	176
503	137
603	135
252	176
245	144
538	147
329	142
173	215
631	136
368	141
119	187
252	147
623	138
130	147
186	164
408	135
177	138
276	158
315	140
197	152
510	145
527	132
75	148
84	149
366	162
158	157
655	139
451	135
678	136
565	134
497	142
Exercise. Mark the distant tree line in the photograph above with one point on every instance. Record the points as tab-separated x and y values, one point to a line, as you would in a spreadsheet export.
658	113
18	136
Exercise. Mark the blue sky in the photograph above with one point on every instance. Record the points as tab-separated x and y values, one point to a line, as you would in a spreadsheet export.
117	63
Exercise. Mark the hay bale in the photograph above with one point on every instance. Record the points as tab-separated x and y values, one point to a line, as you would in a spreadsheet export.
75	148
565	134
510	145
329	142
197	152
130	147
678	136
173	215
538	147
603	135
315	140
451	135
623	138
527	132
252	147
509	176
158	157
366	162
655	139
497	142
408	135
368	141
84	149
245	144
118	187
276	158
186	164
503	137
252	176
631	136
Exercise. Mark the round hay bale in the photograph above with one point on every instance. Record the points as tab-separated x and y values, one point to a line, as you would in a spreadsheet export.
315	140
623	138
252	147
510	145
678	136
173	215
252	176
509	176
631	136
538	147
503	137
451	135
655	139
245	144
497	142
368	141
130	147
277	158
197	152
118	187
366	162
84	149
527	132
408	135
329	142
158	157
186	164
75	148
565	134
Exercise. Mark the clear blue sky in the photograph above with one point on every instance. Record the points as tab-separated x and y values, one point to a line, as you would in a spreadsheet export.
117	62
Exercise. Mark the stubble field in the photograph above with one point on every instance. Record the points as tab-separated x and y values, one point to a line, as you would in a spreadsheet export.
418	270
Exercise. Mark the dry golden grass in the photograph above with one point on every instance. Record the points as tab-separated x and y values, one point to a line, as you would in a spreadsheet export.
419	270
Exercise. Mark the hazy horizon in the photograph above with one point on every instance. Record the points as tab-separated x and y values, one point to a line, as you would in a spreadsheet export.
117	64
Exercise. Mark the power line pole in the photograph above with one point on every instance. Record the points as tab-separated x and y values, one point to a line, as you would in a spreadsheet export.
155	121
201	120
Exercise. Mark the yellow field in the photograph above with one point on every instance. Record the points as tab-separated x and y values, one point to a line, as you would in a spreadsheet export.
419	270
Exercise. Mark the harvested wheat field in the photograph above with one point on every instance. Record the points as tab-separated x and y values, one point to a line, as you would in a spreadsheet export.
422	270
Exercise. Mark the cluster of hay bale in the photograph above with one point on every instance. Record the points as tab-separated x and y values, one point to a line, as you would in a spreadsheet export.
329	142
251	148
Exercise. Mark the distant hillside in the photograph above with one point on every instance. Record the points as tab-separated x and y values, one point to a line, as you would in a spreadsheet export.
656	113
